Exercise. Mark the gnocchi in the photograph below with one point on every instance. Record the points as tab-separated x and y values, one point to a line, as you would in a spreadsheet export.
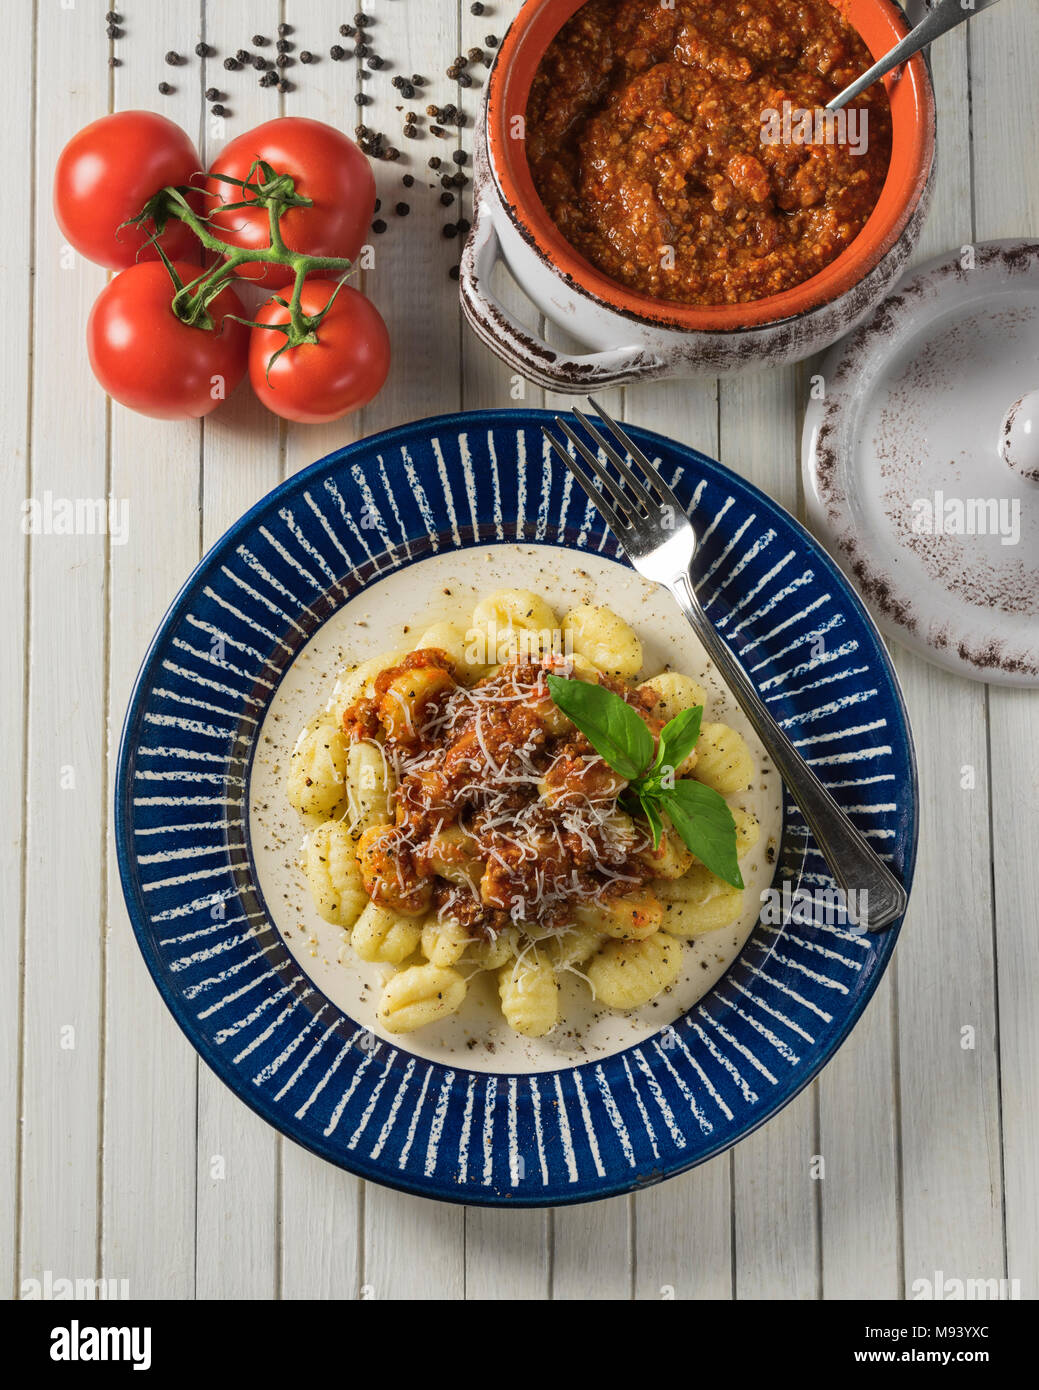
458	825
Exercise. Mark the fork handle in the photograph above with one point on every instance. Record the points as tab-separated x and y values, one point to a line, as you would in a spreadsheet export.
855	865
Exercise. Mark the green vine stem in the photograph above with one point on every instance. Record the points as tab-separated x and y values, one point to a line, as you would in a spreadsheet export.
276	192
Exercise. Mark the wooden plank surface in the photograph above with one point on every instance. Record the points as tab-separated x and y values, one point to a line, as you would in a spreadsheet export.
128	1158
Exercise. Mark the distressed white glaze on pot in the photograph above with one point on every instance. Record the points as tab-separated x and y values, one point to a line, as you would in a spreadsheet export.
625	345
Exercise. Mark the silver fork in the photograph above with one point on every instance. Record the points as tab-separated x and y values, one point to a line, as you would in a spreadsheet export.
659	540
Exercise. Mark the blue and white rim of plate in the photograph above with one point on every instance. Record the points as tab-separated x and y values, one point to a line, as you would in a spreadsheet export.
584	1132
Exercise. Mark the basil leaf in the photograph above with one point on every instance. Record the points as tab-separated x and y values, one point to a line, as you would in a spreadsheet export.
703	819
610	725
678	738
652	814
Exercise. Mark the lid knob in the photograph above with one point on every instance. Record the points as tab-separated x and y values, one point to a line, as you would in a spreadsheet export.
1019	437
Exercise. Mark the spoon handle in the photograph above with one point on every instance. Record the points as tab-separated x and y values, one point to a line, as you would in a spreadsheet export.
945	15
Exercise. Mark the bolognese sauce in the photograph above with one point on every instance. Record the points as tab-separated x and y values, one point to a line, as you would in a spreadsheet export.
644	139
504	813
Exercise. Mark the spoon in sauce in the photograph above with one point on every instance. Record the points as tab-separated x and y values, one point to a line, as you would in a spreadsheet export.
943	16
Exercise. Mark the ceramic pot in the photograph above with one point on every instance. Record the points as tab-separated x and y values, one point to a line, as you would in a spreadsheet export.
632	336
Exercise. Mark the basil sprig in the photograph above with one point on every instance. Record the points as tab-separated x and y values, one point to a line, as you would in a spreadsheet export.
621	737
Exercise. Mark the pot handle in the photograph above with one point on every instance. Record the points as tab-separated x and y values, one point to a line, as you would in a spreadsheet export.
521	347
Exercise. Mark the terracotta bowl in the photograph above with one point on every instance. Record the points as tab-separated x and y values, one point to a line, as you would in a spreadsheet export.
635	336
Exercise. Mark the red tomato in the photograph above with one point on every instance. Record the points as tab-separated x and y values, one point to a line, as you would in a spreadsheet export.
325	165
147	359
106	174
321	381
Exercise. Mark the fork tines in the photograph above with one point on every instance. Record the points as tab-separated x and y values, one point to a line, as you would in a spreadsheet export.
636	499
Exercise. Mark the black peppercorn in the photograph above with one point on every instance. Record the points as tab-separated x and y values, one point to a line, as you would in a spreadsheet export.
408	180
396	81
460	180
362	50
435	162
260	39
452	73
306	56
259	63
284	86
363	20
347	30
219	110
491	41
464	226
447	199
454	273
212	94
113	17
475	55
269	79
203	50
362	99
393	153
115	62
464	80
476	7
407	91
433	111
378	225
232	64
375	62
450	230
284	61
417	79
283	46
337	53
411	132
402	209
438	131
165	88
446	181
244	56
460	157
284	29
173	58
114	32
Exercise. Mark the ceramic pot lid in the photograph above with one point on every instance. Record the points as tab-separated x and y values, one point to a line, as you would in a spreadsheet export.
921	461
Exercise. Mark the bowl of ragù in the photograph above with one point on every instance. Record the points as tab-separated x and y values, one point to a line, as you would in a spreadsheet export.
663	181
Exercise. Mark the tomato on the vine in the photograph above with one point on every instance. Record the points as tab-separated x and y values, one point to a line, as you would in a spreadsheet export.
146	358
317	382
108	172
325	166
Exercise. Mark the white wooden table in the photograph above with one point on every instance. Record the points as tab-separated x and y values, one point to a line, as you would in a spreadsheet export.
123	1157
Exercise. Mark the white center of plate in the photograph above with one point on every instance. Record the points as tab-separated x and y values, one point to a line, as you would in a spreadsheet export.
394	612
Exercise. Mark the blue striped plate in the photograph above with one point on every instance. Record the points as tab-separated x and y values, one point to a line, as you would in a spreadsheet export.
587	1131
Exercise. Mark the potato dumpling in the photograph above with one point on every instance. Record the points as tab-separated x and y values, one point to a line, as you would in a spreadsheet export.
605	639
317	770
723	759
358	682
748	830
516	622
529	995
384	935
670	859
625	974
450	639
636	915
405	704
698	902
389	876
332	872
445	942
419	995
